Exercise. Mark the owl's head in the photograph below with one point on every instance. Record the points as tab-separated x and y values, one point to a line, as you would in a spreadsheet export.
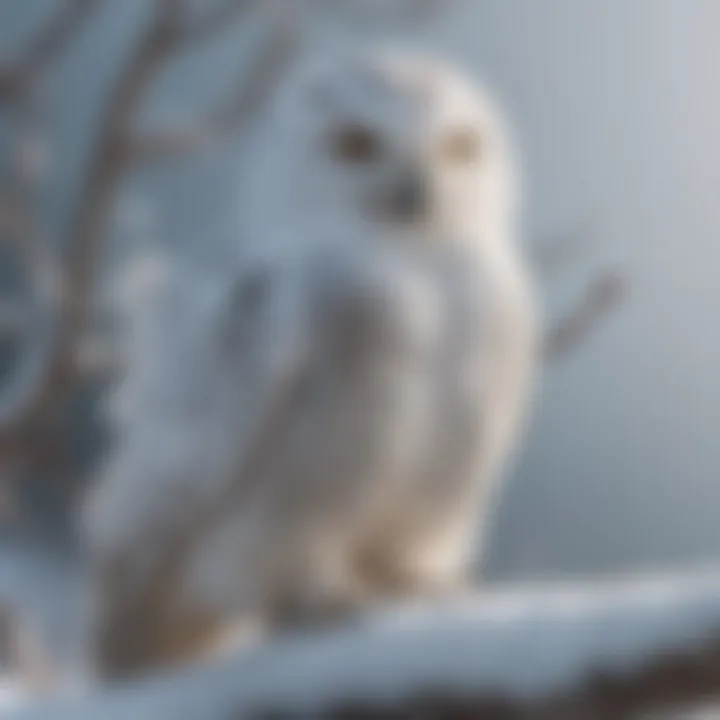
394	144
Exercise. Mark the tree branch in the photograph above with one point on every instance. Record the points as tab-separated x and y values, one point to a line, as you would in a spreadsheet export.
45	48
605	652
558	250
55	36
253	89
188	30
602	296
109	163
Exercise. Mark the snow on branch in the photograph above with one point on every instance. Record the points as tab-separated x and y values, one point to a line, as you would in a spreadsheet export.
606	651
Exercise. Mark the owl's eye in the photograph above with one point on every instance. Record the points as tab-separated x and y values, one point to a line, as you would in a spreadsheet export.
356	144
463	146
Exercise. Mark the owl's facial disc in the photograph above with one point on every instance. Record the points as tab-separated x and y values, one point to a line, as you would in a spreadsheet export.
402	180
395	143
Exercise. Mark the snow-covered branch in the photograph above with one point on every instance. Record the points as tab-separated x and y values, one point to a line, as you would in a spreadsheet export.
595	651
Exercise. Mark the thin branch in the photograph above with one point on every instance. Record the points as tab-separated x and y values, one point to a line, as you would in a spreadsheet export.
253	88
603	296
55	36
556	251
188	30
45	48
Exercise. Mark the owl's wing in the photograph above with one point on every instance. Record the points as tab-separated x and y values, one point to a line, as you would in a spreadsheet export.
211	366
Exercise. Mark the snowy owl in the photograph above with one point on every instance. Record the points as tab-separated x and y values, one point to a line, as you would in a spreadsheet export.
322	428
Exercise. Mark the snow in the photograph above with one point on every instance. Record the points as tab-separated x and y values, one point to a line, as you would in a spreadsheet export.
524	642
42	605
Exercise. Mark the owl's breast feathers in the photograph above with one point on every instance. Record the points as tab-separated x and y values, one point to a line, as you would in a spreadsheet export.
415	343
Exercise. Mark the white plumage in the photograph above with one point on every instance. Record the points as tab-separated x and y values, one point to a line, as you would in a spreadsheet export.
323	426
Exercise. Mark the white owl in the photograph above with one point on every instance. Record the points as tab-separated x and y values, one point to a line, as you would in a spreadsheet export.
323	426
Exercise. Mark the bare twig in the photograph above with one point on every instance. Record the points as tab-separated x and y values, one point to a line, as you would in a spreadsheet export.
188	30
557	251
45	48
55	36
603	295
252	90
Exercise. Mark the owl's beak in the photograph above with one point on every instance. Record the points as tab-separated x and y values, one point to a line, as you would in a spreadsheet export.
409	198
